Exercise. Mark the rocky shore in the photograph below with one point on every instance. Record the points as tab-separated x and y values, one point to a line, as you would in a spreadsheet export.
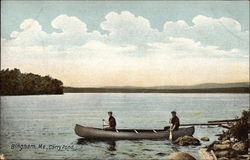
232	144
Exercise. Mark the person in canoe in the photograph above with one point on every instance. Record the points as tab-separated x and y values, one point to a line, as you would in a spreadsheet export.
111	123
174	121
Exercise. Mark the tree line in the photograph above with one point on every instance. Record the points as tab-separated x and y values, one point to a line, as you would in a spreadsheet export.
13	82
144	90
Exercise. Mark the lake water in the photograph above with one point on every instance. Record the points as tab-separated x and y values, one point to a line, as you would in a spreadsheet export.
37	126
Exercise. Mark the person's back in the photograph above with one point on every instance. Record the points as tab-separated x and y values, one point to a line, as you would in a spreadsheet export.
112	122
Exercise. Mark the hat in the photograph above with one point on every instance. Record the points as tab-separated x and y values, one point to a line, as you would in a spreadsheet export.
110	112
173	112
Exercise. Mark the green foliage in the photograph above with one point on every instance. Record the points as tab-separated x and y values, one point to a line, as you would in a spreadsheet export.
240	129
13	82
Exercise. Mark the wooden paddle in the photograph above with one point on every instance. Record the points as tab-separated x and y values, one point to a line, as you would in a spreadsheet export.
171	132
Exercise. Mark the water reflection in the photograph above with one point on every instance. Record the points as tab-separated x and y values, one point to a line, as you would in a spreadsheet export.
174	148
111	144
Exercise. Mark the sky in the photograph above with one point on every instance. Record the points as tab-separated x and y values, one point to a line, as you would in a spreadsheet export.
127	43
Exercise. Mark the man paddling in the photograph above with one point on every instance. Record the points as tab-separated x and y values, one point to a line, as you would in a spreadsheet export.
112	123
174	121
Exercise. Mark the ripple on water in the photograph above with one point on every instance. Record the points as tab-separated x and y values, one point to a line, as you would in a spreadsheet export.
145	149
161	154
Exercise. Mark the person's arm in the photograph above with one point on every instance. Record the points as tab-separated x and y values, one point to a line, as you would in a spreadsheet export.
173	123
173	127
105	123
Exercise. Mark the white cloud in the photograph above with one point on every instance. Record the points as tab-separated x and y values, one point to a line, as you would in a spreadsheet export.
183	47
207	51
127	28
73	31
69	24
223	32
31	34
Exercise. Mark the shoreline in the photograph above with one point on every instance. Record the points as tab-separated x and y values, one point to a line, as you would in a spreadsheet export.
231	144
128	93
245	90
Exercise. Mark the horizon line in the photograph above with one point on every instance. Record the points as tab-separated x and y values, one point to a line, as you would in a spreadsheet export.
214	83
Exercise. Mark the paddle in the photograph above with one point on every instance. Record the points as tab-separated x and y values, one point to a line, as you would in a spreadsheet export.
171	132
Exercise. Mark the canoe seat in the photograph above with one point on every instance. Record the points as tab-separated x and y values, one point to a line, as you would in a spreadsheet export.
154	131
135	131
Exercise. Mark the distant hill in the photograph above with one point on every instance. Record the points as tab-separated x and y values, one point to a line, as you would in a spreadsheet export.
198	86
201	88
205	86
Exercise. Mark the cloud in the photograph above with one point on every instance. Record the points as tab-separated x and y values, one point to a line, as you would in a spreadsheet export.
184	47
31	34
223	32
73	31
128	28
69	24
131	52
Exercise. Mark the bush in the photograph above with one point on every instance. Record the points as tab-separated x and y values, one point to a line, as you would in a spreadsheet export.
240	129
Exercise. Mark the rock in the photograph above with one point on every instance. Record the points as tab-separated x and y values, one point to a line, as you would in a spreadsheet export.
223	158
225	138
180	156
247	157
205	139
2	157
205	155
217	147
239	147
220	154
210	147
234	158
187	140
225	153
234	140
226	142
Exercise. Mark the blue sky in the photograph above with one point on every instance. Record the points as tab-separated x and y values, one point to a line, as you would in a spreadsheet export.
113	43
14	12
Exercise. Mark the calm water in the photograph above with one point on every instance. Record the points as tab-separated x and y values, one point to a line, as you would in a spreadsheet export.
49	121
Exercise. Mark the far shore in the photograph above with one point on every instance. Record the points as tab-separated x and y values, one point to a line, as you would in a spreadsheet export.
234	90
245	90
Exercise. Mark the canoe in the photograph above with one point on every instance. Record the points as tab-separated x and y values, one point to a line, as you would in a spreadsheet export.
130	134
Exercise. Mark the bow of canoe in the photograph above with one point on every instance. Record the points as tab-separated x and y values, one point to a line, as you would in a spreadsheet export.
130	134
